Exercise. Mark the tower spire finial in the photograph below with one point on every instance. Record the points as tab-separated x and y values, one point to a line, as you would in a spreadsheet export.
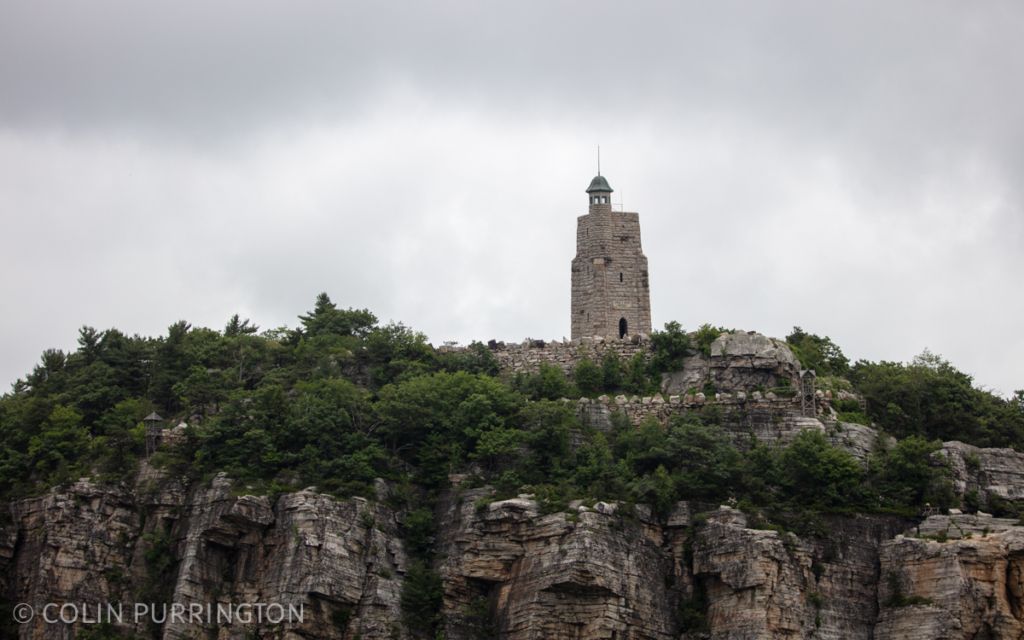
598	159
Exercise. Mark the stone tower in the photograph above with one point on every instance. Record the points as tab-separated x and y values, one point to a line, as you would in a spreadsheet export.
610	292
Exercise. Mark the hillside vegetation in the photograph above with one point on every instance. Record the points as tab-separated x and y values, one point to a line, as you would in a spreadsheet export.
342	400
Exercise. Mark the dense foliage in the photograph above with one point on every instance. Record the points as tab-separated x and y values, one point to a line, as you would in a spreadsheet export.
818	353
931	398
342	400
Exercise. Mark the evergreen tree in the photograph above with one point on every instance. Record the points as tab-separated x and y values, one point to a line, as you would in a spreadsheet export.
326	318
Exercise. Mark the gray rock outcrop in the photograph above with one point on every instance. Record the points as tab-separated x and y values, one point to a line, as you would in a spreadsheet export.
992	475
339	560
966	588
591	574
739	361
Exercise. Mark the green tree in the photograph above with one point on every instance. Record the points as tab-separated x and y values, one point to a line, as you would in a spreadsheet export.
611	371
201	390
119	440
130	358
326	440
395	352
548	426
89	344
588	377
476	358
61	442
48	375
421	600
931	398
706	465
908	475
496	447
658	490
326	318
597	473
418	532
644	448
638	378
818	353
705	335
669	347
440	417
547	383
238	327
171	366
813	473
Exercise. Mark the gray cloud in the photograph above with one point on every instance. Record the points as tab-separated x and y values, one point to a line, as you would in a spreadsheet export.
852	167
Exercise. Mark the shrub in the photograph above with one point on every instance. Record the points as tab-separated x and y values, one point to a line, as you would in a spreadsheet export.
896	596
855	417
846	405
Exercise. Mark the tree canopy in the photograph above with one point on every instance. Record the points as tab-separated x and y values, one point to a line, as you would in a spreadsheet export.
342	400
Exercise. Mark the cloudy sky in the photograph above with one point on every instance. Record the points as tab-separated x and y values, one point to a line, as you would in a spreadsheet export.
854	168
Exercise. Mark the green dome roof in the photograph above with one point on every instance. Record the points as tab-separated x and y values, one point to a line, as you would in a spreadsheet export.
599	184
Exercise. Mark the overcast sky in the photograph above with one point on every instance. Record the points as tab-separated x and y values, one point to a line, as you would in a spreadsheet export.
855	168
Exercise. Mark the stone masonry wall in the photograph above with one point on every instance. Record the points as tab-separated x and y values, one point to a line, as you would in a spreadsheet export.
609	275
527	356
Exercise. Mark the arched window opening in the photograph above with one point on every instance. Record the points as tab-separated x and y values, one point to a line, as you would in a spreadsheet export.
623	328
620	276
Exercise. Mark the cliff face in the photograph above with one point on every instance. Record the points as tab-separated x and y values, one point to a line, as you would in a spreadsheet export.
967	588
508	570
338	560
589	574
761	584
985	475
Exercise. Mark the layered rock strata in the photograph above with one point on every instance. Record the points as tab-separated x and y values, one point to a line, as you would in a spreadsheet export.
508	570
